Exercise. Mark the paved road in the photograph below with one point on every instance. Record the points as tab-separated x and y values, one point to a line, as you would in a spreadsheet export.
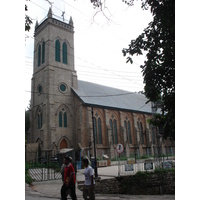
46	190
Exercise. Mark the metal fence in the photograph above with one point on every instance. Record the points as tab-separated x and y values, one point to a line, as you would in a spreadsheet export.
35	171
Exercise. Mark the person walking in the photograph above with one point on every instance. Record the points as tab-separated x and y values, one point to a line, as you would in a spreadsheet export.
89	185
69	180
62	170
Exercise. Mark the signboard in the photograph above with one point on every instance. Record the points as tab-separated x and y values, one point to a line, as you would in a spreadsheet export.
148	166
167	165
129	167
120	148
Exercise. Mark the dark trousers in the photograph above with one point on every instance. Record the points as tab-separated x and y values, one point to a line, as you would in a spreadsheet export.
89	191
64	191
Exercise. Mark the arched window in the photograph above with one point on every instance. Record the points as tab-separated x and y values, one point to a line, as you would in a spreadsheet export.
64	53
63	118
43	52
39	120
57	51
129	133
60	119
95	129
141	132
153	135
115	131
126	132
112	134
39	55
99	131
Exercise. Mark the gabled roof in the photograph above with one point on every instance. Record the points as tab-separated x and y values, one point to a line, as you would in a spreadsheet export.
103	96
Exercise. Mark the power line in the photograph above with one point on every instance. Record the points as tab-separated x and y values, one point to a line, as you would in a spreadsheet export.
91	35
94	65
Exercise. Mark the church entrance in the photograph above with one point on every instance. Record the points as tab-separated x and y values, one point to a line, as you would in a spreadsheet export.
63	144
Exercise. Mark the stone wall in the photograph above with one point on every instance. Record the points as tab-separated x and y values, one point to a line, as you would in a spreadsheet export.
140	184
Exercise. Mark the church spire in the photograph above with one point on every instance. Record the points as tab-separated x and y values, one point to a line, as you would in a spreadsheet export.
36	24
50	13
71	21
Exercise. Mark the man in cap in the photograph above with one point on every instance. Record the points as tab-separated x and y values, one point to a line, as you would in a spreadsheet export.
69	180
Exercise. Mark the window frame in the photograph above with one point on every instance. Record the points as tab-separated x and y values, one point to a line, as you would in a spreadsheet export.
57	50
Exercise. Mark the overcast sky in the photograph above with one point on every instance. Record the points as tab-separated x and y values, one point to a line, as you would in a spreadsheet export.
99	39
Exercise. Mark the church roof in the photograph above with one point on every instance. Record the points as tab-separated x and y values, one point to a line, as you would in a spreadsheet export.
92	94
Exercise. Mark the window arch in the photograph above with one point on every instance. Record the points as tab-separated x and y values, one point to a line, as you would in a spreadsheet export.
43	52
111	126
115	131
39	55
98	130
57	50
62	118
153	135
64	53
95	129
39	120
141	132
65	119
128	131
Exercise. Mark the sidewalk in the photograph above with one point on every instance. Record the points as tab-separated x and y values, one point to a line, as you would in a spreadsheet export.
52	188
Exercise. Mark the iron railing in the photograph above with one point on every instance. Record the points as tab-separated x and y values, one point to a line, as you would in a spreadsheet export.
42	171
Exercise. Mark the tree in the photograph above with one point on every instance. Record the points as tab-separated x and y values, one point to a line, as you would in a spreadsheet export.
28	20
157	42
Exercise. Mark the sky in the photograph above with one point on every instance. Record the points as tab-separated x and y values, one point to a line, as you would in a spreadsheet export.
98	41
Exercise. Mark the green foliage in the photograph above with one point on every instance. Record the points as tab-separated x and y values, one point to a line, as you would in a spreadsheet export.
158	42
163	171
28	178
28	20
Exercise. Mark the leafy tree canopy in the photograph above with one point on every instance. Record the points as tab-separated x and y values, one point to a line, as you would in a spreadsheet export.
157	42
28	20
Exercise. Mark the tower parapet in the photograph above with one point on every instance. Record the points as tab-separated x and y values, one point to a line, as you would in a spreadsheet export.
49	19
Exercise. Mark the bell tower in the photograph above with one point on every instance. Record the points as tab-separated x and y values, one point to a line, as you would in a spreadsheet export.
52	110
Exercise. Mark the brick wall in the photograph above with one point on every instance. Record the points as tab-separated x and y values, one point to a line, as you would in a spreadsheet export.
145	184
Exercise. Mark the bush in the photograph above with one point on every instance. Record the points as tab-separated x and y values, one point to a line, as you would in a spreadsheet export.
28	178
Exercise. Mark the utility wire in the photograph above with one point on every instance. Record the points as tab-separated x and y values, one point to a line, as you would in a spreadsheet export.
95	65
106	39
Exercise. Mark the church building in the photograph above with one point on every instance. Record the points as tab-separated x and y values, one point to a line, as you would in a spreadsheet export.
67	113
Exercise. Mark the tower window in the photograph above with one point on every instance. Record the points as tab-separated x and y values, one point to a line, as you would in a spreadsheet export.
60	119
39	119
39	55
64	51
62	87
43	52
39	88
63	118
57	51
